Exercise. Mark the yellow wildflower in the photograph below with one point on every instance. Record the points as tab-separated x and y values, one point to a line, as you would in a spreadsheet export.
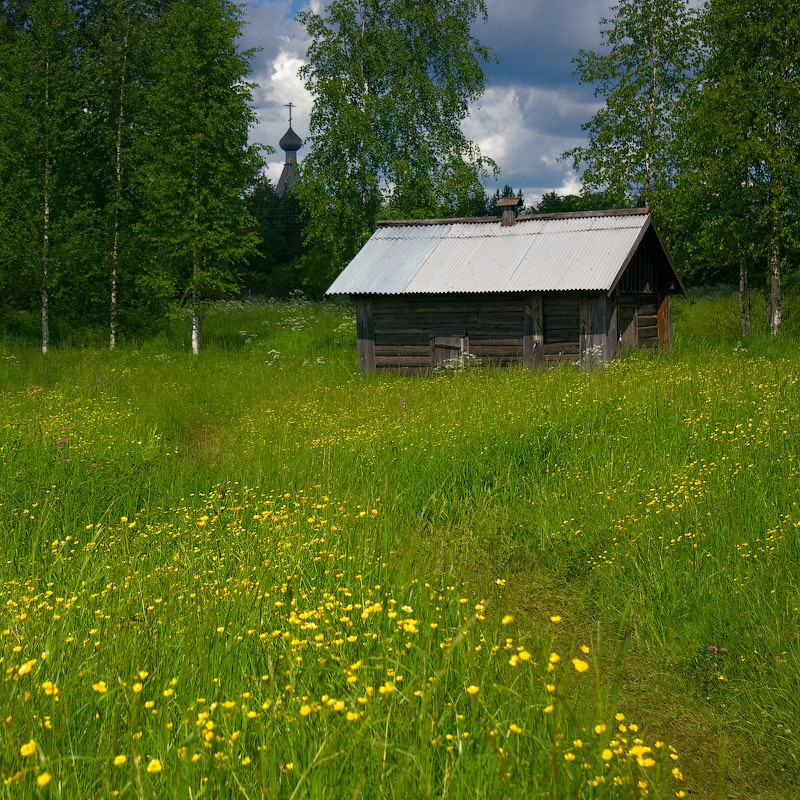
473	689
580	665
43	779
154	766
28	749
120	760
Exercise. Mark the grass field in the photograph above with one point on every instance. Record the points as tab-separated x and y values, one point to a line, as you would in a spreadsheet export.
258	574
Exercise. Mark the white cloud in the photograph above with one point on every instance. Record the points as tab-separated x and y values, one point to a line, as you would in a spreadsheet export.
525	129
529	115
282	42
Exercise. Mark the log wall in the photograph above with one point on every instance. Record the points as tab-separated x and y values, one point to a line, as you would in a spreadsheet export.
638	316
550	328
405	326
560	315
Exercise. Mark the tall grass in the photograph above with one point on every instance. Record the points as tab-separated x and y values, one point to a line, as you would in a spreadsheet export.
316	570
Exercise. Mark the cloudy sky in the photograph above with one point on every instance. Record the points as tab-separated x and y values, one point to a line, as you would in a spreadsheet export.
531	111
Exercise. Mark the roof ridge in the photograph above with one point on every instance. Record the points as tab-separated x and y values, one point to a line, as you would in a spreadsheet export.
611	212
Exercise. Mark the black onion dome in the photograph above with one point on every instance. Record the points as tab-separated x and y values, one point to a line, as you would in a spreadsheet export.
290	141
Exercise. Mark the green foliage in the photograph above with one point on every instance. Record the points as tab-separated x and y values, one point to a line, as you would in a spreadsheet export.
197	159
391	81
91	93
651	54
552	203
273	271
117	58
40	130
736	200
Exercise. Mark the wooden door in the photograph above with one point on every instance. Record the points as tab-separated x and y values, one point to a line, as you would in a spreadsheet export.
626	326
448	350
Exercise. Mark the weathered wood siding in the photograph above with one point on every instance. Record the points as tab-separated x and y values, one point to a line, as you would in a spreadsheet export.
593	327
665	322
642	273
404	327
560	316
533	331
365	333
638	320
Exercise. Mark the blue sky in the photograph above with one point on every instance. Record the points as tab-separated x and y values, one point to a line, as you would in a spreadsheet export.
531	111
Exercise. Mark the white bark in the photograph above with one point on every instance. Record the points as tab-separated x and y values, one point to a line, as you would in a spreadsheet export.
651	112
195	332
774	270
744	299
46	219
112	329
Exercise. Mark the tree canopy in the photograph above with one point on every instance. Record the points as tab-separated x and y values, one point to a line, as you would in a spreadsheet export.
392	81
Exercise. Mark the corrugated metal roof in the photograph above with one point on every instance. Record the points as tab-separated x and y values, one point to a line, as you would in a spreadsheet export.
575	253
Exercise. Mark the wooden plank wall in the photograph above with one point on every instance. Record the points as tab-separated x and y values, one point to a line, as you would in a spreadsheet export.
645	322
560	316
533	332
665	322
593	324
365	333
405	326
534	329
642	274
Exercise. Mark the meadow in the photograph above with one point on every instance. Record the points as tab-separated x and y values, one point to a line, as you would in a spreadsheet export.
256	573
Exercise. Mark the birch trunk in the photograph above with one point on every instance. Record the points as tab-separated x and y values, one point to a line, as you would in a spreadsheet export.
774	262
774	283
651	112
197	319
196	323
744	299
112	328
46	215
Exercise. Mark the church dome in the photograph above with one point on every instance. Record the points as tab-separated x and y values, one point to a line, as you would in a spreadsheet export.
290	141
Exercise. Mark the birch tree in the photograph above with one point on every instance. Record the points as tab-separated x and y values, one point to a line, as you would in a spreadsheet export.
40	123
392	81
735	204
198	161
751	88
651	50
118	63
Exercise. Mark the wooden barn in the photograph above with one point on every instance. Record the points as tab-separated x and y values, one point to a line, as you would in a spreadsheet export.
536	290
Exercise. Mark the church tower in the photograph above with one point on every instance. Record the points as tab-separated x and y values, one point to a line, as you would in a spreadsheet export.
290	143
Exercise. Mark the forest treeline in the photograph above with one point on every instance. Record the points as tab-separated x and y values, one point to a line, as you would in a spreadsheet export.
129	191
124	161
